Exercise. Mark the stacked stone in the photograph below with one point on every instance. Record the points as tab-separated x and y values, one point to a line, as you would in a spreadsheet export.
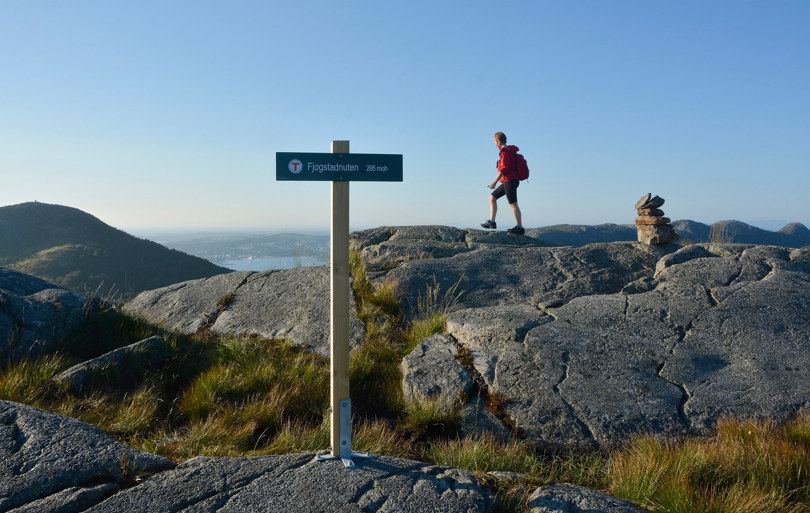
653	228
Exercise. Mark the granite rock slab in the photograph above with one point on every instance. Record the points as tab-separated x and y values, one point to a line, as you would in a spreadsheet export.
721	330
291	304
521	275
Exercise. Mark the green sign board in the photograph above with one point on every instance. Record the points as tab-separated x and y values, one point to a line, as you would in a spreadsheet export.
339	167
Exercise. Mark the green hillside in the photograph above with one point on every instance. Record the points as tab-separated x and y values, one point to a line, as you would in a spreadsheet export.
73	249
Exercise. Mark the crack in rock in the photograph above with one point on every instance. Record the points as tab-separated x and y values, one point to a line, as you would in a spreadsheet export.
580	417
212	317
686	396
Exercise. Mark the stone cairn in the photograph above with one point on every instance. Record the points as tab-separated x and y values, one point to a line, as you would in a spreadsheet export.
653	228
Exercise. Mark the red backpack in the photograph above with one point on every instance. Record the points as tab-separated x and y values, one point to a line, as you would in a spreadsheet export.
522	167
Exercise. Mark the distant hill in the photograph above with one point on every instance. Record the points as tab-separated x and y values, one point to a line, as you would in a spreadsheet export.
793	235
77	251
579	234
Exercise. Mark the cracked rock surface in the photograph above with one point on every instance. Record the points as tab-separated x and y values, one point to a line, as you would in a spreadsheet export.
496	269
722	330
297	483
292	304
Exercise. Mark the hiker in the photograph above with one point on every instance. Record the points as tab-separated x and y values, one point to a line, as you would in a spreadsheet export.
507	175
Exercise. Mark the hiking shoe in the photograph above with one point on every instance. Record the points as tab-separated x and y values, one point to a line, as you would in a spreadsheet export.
517	230
489	224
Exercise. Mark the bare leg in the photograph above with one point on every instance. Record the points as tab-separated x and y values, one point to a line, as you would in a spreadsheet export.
493	207
516	211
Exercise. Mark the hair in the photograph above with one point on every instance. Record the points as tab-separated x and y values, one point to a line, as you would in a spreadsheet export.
501	137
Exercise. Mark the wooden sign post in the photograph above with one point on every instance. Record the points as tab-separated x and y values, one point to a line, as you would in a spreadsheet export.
339	167
339	315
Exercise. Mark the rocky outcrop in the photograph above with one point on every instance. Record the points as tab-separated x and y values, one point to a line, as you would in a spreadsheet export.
292	304
35	316
53	463
386	247
492	273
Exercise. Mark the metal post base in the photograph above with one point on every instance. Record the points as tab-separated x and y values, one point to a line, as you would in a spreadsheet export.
347	462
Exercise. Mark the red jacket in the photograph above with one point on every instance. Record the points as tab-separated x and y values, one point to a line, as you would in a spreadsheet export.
507	164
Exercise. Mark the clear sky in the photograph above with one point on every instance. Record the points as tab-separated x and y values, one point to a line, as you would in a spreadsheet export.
168	114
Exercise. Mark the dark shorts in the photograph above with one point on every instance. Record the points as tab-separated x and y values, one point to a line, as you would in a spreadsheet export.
509	188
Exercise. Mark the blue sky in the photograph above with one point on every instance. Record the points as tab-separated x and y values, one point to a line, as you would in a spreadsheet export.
166	115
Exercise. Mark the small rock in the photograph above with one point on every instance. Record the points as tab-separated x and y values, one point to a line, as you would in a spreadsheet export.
652	220
651	212
656	235
643	201
431	370
655	202
146	352
568	498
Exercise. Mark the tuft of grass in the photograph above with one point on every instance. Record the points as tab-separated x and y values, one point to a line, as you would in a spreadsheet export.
431	417
431	312
28	381
486	454
720	235
375	378
287	381
749	466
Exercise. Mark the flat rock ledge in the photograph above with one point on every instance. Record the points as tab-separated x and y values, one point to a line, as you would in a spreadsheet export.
290	304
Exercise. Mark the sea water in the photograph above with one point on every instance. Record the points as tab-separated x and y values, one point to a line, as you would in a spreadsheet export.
266	263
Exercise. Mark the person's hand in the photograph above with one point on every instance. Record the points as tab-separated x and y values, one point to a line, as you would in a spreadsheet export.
492	185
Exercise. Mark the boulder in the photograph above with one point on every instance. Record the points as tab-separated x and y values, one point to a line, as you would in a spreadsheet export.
35	316
53	463
296	482
291	304
656	235
568	498
431	370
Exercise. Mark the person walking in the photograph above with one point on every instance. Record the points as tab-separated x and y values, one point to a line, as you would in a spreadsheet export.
508	178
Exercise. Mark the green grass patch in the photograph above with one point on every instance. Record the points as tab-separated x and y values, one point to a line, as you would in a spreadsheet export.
749	466
28	381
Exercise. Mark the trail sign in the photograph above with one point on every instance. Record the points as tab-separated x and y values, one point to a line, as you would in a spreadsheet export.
339	167
349	167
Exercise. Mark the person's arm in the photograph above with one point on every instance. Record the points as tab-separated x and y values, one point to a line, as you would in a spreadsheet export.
497	179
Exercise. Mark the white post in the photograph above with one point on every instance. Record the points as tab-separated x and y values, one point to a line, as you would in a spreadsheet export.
339	333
